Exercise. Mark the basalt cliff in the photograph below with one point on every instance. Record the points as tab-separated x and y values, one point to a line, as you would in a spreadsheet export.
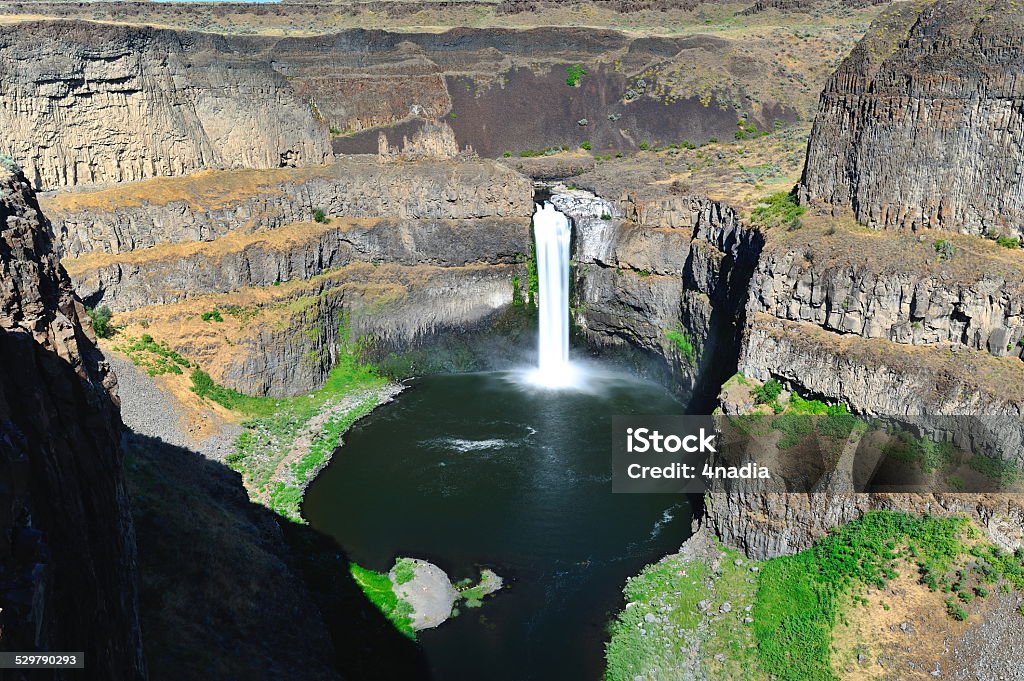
67	547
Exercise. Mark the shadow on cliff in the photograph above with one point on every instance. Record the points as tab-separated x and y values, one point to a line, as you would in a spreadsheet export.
229	590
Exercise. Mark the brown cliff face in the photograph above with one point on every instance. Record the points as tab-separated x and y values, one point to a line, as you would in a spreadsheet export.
67	553
95	104
922	126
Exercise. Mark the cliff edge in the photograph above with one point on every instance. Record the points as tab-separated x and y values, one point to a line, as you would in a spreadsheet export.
67	545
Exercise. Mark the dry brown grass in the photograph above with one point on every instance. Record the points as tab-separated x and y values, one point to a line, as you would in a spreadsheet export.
281	239
204	190
876	632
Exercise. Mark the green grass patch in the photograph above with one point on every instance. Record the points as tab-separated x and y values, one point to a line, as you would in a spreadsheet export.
274	424
779	210
683	344
670	589
797	600
153	357
381	592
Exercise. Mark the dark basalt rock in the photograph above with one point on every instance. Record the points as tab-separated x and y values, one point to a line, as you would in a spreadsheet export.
67	544
921	127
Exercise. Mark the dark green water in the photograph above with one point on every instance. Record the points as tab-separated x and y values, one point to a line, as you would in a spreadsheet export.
476	469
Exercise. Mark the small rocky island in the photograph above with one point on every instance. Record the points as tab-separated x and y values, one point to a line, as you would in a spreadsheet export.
416	594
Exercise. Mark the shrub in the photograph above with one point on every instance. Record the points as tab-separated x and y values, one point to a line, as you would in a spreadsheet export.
780	209
213	315
1008	242
682	343
606	216
945	249
9	163
101	321
586	146
768	393
956	611
573	74
507	154
320	216
644	146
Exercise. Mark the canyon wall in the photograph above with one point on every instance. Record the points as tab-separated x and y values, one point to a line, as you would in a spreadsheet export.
89	104
67	546
387	250
653	265
212	204
922	125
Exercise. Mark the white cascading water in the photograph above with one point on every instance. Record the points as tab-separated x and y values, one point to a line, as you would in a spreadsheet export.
551	232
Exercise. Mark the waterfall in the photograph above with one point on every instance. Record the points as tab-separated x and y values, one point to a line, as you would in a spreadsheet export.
551	231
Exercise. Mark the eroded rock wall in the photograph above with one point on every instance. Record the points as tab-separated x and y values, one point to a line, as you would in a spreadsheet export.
922	125
648	268
88	104
211	205
67	545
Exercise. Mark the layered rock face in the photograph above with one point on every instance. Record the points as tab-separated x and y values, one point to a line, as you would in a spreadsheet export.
655	266
94	104
67	549
922	126
211	205
907	295
388	250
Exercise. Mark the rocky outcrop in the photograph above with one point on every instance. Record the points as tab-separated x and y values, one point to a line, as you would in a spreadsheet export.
922	126
769	525
88	104
284	340
650	268
67	545
915	299
170	273
208	206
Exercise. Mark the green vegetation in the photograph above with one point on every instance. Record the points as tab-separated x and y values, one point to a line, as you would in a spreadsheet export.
212	316
1003	471
1008	241
381	592
573	74
348	394
944	249
779	210
507	154
585	146
683	344
517	293
768	392
405	571
334	130
473	595
101	321
798	600
532	277
606	216
644	146
632	651
320	216
747	130
152	357
9	163
927	455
